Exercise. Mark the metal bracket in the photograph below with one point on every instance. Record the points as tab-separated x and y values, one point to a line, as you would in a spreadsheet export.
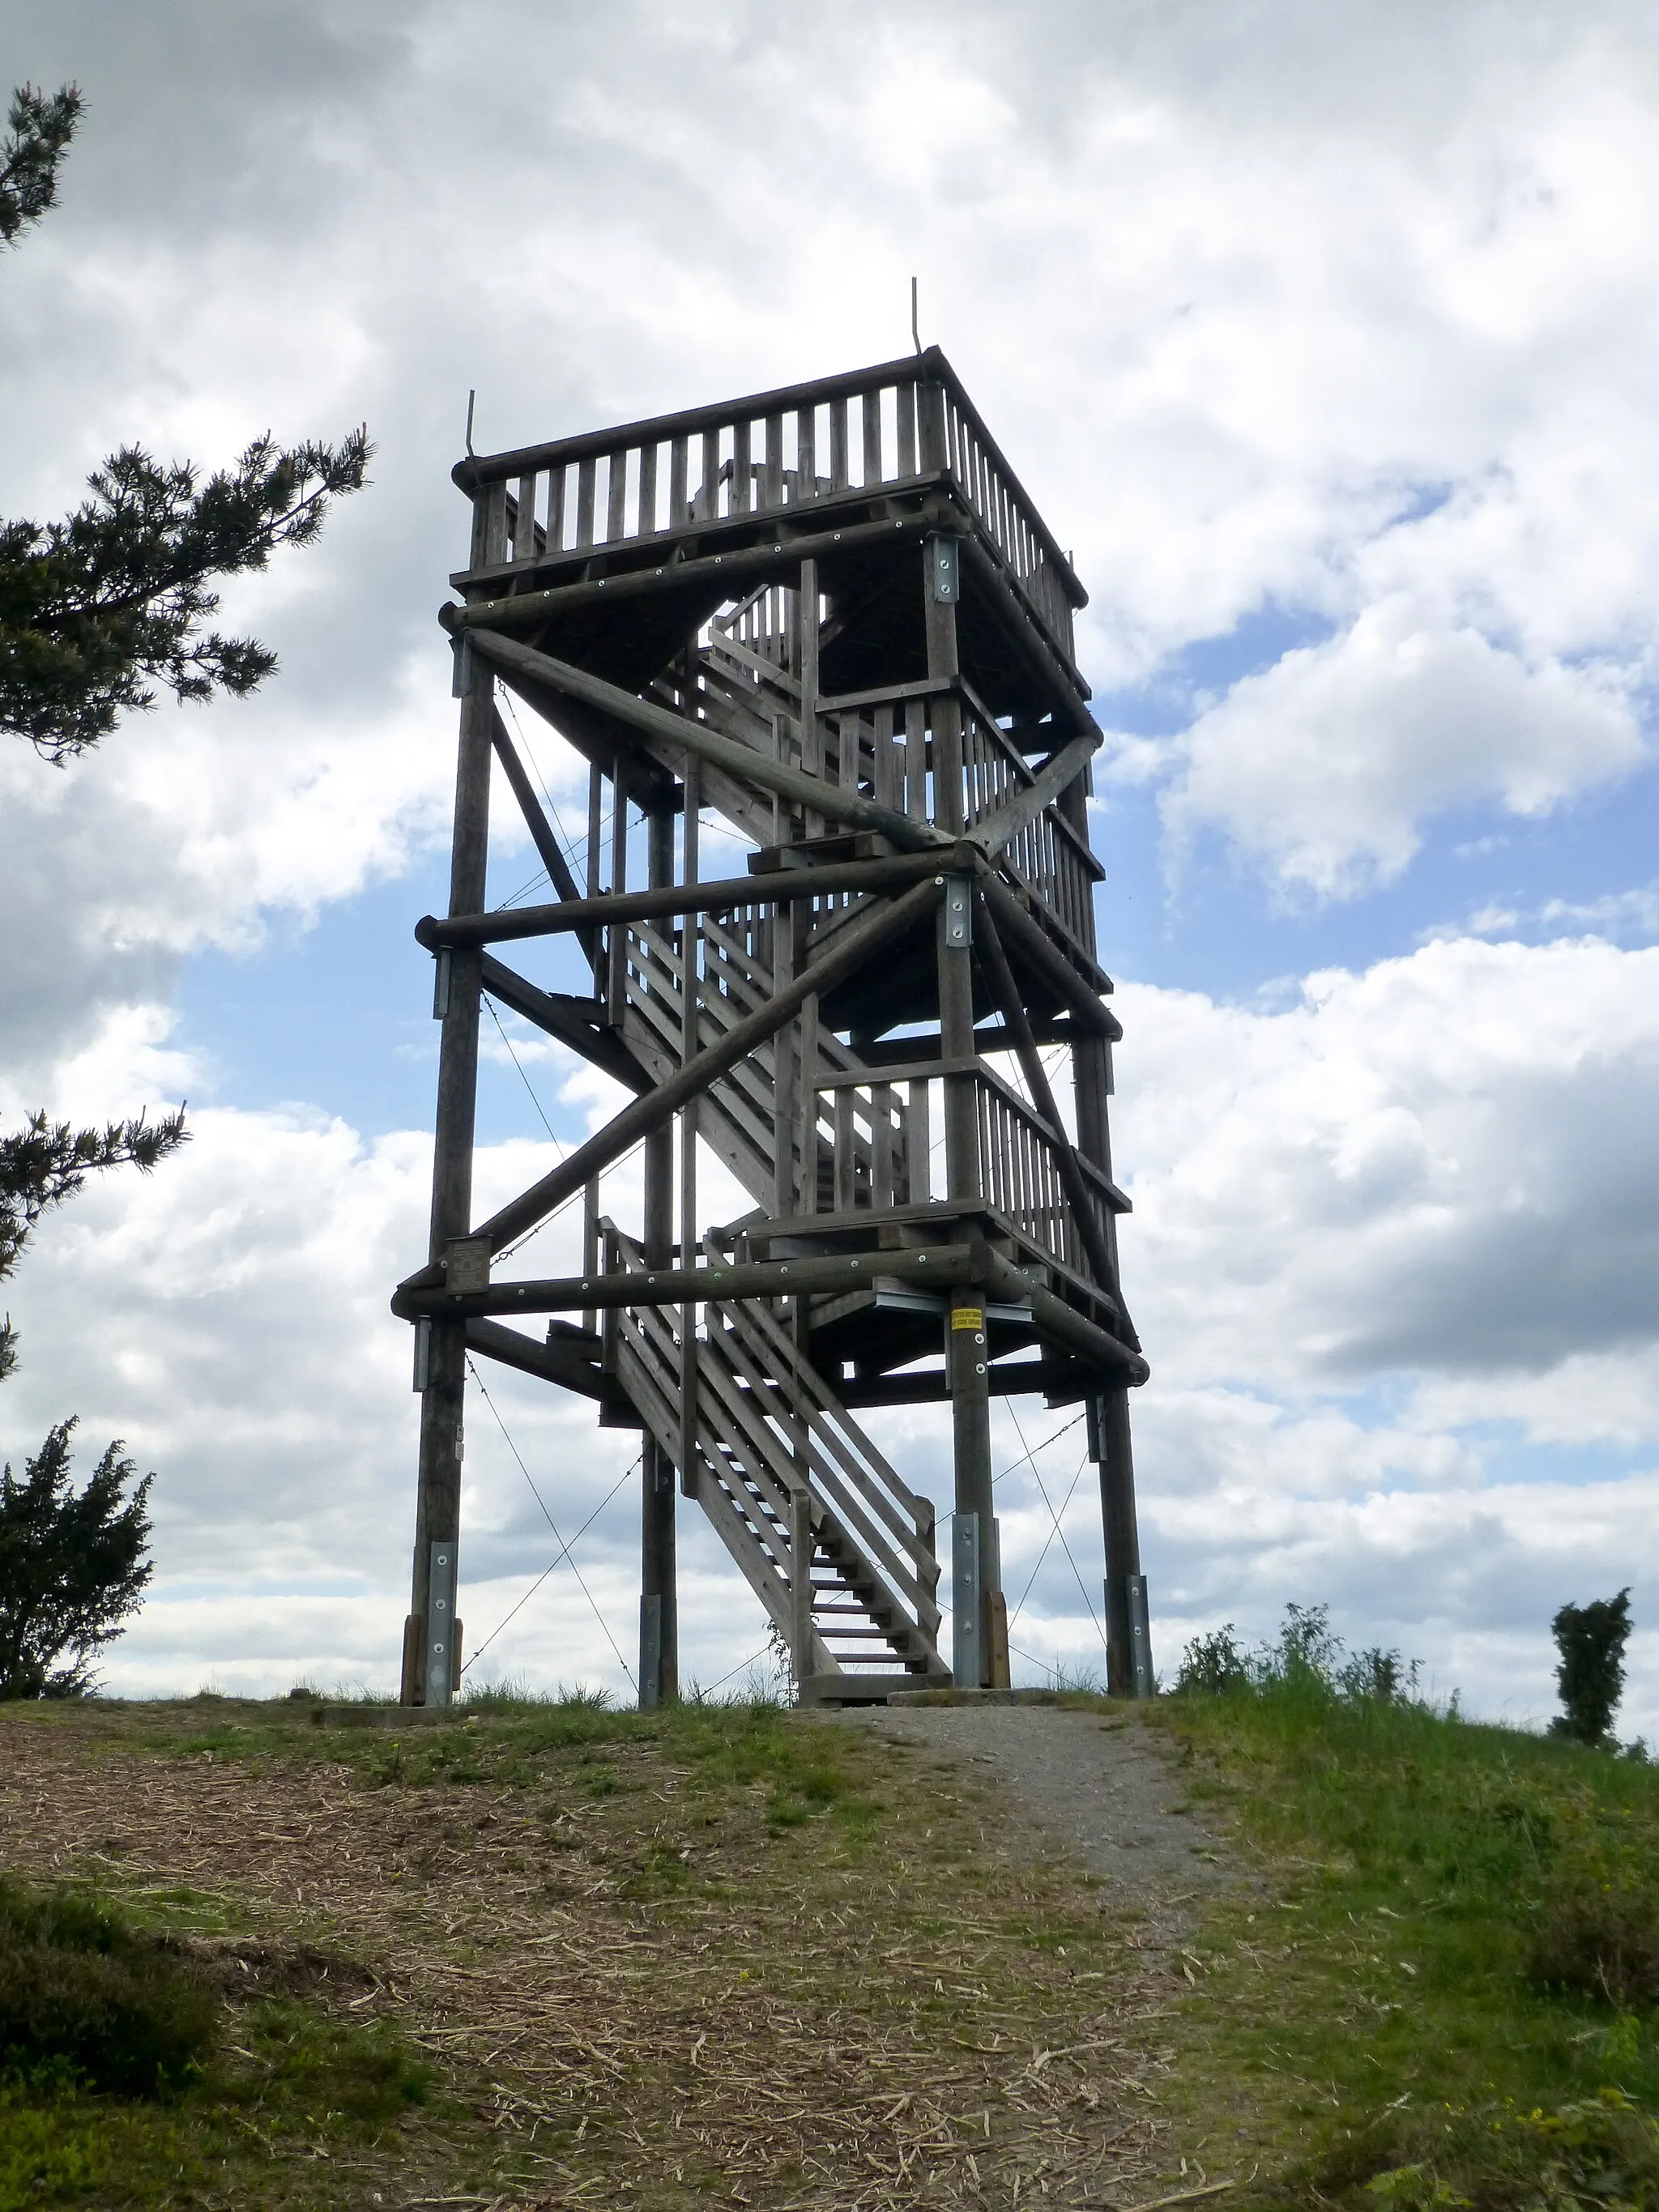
1140	1638
461	676
422	1352
959	912
441	969
943	570
966	1607
650	1652
439	1624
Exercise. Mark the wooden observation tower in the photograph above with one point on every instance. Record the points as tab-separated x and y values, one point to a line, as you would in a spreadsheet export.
829	619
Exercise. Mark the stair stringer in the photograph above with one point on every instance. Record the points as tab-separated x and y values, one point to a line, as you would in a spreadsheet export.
766	1423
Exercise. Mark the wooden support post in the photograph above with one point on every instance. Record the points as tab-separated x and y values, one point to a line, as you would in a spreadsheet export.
595	840
443	1354
783	1069
811	730
658	1609
1128	1641
617	974
967	1348
692	928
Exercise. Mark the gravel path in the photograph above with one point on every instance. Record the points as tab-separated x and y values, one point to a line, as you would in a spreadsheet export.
1106	1791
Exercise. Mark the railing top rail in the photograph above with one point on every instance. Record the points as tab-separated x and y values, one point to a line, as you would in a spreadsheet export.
475	471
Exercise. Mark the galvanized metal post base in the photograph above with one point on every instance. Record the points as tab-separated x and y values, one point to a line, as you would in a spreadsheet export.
440	1625
967	1602
1129	1629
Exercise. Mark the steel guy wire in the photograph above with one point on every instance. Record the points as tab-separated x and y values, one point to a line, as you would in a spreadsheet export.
548	1570
563	1148
737	1670
1048	1542
1014	1466
472	1370
566	841
1059	1529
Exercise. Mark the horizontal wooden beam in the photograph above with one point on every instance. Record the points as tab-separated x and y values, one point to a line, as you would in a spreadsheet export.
945	1265
777	887
784	540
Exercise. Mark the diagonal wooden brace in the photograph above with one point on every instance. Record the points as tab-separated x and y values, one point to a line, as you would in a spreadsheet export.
740	761
842	958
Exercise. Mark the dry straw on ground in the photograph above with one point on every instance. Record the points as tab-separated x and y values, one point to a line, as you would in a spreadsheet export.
768	2018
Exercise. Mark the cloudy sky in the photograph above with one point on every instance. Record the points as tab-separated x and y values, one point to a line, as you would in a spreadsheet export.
1326	335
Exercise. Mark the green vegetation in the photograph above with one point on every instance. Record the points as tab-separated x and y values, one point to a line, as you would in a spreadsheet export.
1443	1991
137	2068
85	2001
1591	1639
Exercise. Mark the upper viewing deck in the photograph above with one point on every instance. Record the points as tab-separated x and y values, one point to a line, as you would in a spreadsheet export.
838	459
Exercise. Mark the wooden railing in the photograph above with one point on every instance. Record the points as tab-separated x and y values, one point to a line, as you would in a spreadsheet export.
876	1146
881	743
767	1424
901	423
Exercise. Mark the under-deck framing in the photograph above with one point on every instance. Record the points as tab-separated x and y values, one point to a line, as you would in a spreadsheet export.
830	616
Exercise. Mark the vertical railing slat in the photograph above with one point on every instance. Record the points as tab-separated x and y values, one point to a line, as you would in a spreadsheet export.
739	502
616	502
905	460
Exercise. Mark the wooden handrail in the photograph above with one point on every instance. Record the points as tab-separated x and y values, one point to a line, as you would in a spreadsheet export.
473	473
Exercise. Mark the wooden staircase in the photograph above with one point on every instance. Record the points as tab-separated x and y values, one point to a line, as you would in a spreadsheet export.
830	1539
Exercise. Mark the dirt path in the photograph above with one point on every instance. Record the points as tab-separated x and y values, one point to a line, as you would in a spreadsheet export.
1105	1792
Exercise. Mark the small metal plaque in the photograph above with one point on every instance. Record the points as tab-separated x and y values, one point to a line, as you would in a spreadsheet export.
469	1264
967	1316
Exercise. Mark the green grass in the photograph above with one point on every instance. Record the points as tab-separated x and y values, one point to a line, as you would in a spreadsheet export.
128	2077
1449	1972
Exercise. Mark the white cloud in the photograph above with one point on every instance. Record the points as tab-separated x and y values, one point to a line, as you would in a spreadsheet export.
1324	768
1442	1164
1621	916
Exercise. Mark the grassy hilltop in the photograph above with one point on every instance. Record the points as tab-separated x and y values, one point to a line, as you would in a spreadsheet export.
556	1955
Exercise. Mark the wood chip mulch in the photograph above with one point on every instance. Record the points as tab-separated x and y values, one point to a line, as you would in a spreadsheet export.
782	2044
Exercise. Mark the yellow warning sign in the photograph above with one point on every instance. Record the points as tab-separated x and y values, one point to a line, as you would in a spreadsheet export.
968	1317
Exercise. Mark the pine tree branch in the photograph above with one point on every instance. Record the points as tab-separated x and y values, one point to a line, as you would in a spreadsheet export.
95	610
41	126
43	1163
